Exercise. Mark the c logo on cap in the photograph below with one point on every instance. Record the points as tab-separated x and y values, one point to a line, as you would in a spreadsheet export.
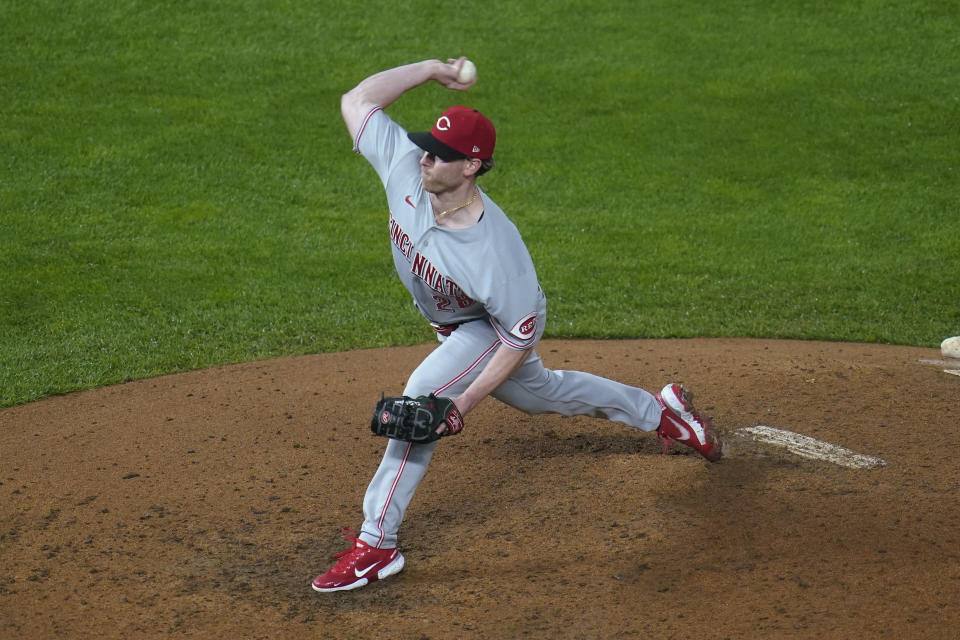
443	124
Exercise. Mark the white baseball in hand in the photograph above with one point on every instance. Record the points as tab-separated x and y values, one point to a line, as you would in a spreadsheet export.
468	72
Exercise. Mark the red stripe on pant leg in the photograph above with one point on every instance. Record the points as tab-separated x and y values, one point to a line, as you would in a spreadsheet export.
406	452
393	488
467	370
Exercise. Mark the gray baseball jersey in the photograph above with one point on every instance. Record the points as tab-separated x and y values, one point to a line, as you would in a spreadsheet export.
483	277
454	275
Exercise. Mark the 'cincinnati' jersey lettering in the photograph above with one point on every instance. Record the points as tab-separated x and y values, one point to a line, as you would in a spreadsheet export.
425	270
400	239
480	272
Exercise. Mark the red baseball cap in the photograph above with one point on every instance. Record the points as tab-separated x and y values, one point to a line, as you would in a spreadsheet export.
460	132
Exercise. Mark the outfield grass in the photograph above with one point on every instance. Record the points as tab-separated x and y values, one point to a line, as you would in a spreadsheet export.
179	189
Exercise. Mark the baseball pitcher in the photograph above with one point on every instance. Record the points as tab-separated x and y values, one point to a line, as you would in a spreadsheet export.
471	277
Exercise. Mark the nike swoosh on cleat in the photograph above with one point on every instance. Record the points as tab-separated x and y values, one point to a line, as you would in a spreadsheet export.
683	429
360	574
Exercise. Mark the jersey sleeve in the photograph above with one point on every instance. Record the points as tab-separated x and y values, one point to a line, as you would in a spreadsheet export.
384	143
518	312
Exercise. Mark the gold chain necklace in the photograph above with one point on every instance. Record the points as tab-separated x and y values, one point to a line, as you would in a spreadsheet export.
469	202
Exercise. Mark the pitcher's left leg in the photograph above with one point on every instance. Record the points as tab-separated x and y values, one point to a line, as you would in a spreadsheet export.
536	389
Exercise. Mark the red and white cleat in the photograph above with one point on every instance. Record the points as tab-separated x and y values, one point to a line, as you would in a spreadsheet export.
358	566
681	423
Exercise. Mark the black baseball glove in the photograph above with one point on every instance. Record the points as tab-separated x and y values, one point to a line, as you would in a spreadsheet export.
416	419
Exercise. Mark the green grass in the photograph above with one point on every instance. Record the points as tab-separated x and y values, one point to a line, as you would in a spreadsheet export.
179	190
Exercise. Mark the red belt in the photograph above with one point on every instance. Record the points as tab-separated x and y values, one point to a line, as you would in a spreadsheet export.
445	329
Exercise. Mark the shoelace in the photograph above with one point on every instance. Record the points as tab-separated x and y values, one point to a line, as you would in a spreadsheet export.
350	535
667	442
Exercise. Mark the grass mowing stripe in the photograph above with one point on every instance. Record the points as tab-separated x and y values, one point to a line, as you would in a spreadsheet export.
179	190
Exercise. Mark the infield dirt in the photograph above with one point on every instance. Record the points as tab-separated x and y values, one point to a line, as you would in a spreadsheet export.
202	504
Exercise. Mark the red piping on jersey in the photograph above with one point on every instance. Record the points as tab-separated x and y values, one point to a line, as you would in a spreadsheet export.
506	339
356	141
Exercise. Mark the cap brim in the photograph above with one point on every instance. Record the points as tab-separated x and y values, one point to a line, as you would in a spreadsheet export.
428	143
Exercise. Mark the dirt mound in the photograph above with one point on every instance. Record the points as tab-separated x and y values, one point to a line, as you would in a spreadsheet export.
203	504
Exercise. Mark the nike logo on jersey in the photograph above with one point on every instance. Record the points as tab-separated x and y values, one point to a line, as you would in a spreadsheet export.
410	202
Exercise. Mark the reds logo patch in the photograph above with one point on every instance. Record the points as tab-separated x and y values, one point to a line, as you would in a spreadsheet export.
385	417
526	327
